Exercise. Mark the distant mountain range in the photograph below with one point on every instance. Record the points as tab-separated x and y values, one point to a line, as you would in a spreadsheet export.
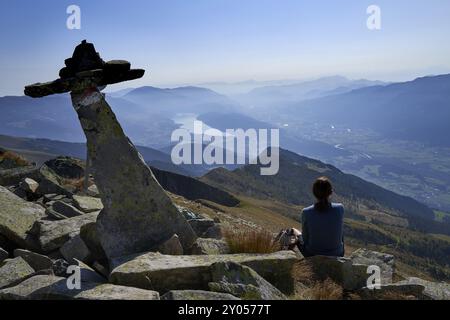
282	94
417	110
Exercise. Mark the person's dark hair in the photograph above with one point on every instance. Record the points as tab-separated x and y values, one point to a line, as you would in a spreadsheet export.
322	190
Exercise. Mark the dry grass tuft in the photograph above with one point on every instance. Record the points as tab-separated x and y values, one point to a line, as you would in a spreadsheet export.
324	290
78	184
250	241
14	158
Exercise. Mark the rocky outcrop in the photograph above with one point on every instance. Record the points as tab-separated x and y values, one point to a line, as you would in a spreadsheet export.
197	295
14	271
44	287
241	281
17	217
52	235
12	177
172	246
164	273
138	214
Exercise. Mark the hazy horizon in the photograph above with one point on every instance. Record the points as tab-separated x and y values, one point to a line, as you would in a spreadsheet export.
181	43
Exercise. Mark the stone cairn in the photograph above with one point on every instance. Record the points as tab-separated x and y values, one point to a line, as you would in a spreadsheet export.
138	215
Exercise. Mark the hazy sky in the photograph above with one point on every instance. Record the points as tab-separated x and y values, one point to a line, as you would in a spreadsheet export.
194	41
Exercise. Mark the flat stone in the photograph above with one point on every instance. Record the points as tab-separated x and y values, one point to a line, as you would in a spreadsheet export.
433	290
66	209
197	295
35	260
52	235
44	287
75	248
17	217
87	204
29	185
164	273
209	246
241	281
92	191
138	214
14	271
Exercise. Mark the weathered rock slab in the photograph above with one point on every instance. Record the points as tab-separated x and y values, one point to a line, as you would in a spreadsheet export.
35	260
75	248
44	287
164	273
197	295
87	204
13	271
17	217
243	282
432	290
52	235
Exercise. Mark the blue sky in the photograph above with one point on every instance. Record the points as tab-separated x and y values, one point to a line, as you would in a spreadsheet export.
195	41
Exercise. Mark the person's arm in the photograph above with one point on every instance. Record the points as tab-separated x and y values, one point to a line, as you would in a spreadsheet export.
304	221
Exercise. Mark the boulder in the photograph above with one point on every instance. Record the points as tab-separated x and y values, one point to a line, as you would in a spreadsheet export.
66	209
197	295
36	261
343	271
53	215
52	235
432	290
89	235
17	217
67	167
51	183
29	185
241	281
75	248
92	191
164	273
209	246
44	287
14	271
3	255
382	260
172	246
138	214
87	204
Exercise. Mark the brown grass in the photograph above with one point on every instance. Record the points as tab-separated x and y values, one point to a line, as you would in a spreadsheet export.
322	290
250	241
78	184
8	155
